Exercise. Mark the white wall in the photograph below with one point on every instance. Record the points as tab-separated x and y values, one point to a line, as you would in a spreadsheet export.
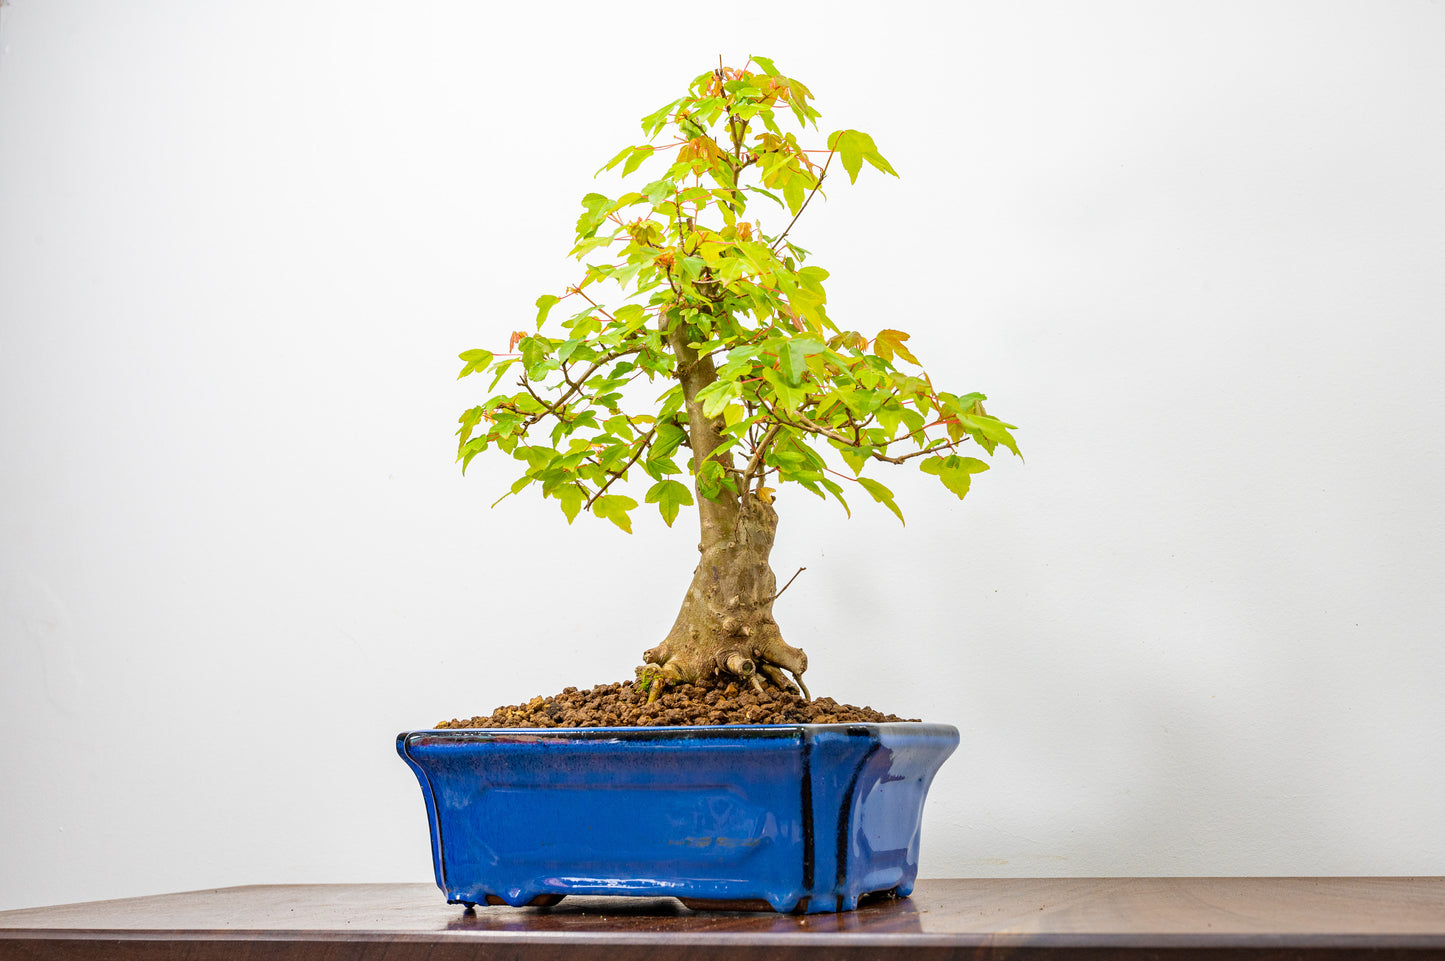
1193	249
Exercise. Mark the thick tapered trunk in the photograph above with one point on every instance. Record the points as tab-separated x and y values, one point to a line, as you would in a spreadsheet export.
725	625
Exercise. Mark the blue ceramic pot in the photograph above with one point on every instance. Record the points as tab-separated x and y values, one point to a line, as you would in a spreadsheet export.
798	817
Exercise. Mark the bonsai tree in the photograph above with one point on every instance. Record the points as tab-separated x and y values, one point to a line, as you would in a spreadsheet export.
696	355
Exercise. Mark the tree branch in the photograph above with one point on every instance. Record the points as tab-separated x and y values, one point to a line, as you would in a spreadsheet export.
642	445
754	462
573	387
556	411
930	449
809	426
821	174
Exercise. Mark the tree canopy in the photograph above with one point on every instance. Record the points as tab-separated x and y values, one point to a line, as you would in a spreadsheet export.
686	298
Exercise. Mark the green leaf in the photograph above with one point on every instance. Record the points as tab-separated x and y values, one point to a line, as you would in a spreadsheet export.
849	149
469	421
625	151
656	120
631	316
658	191
794	360
890	415
876	159
668	438
691	268
989	431
812	278
536	359
614	507
669	495
854	457
570	496
639	154
788	396
476	360
881	494
544	306
499	370
854	147
794	192
718	395
568	348
536	457
766	193
597	208
469	450
955	472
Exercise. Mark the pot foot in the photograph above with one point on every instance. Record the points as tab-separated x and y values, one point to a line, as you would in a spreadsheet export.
540	901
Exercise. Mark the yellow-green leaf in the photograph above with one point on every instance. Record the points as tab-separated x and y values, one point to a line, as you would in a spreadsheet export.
570	497
639	154
890	342
881	494
614	507
794	193
954	471
669	495
476	360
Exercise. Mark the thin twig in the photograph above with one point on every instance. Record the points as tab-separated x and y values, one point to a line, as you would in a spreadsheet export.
804	206
787	585
642	445
596	365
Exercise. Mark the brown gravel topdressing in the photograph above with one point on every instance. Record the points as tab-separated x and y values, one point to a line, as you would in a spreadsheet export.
622	704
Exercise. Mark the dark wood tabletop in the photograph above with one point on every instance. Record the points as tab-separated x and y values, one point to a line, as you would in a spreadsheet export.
1184	919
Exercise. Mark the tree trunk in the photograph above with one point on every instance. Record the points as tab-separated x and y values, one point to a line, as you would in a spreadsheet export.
726	622
725	625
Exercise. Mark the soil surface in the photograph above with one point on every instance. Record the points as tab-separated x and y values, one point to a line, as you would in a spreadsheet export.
624	704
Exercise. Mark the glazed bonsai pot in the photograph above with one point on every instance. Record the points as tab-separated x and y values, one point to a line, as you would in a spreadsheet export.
795	817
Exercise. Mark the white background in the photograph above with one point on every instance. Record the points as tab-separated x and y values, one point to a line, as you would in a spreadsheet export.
1193	249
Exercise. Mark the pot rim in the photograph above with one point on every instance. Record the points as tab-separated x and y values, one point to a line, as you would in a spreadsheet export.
687	731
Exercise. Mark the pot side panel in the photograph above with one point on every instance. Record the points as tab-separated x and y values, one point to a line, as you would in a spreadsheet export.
869	783
531	816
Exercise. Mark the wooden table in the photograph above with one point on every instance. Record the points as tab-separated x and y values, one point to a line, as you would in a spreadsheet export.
1179	919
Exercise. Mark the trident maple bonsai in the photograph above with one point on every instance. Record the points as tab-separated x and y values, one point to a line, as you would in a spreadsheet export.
716	339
